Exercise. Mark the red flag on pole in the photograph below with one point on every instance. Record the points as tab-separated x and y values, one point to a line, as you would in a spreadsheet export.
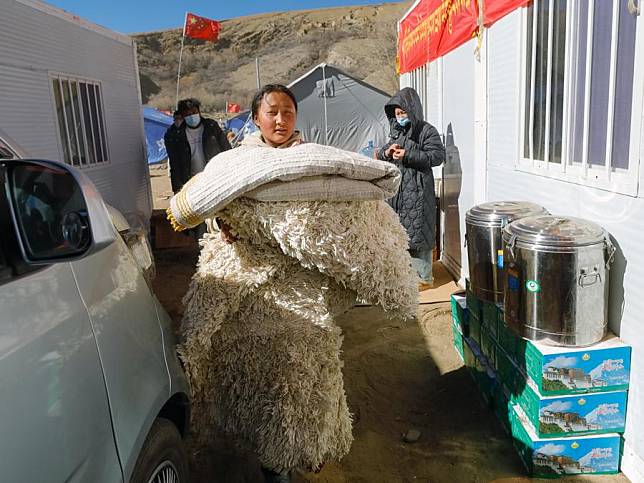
232	107
201	28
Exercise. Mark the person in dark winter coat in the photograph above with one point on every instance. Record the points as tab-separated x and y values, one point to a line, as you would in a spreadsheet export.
415	147
192	144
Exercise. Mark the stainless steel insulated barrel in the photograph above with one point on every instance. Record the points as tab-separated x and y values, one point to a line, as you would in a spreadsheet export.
484	224
556	272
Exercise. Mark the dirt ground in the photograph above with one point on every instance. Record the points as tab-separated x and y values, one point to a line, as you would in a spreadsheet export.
398	376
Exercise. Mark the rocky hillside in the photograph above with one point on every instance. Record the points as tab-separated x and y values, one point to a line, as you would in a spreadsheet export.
359	40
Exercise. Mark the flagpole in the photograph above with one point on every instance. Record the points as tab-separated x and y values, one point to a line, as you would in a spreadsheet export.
257	72
183	36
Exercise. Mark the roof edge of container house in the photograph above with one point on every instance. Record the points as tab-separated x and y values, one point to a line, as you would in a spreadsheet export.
75	19
415	4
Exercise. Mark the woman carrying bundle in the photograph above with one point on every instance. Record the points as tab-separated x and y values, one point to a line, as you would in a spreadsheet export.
305	231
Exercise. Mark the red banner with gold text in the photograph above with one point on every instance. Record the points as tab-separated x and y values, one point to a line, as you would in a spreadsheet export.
434	28
494	10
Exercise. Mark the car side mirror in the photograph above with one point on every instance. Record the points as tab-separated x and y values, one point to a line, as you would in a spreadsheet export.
57	213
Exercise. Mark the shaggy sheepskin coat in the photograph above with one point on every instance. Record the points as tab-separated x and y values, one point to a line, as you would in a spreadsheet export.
260	345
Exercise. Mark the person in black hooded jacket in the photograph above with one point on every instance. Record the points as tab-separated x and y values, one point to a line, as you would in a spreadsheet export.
192	143
415	147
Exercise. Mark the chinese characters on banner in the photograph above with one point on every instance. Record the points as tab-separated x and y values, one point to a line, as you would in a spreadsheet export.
436	27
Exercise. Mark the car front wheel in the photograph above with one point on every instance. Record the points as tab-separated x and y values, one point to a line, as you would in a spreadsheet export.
163	458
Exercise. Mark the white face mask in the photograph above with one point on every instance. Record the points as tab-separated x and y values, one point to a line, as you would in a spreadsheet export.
193	120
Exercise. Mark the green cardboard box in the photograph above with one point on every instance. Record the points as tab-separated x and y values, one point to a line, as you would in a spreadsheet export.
488	346
474	325
473	303
502	405
469	357
458	339
509	373
510	341
487	382
507	340
605	366
577	414
490	317
551	458
459	312
484	376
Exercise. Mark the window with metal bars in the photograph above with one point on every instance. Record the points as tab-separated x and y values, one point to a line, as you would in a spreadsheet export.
578	91
79	114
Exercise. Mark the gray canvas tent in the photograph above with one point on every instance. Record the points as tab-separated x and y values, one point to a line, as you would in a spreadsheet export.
338	110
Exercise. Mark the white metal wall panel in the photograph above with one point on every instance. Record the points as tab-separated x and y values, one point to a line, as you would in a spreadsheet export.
458	129
35	43
433	113
622	216
503	90
405	80
432	109
27	112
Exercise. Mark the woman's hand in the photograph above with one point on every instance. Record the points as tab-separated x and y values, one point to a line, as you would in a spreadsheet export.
226	233
391	149
399	154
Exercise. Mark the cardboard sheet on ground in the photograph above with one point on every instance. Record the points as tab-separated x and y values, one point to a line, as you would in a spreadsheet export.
444	286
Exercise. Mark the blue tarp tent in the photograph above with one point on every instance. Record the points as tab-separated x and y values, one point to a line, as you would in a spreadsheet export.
242	123
156	124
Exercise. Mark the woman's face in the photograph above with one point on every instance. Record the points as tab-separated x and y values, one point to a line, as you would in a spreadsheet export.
276	118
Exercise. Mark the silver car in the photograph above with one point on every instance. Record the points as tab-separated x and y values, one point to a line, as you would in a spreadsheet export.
91	387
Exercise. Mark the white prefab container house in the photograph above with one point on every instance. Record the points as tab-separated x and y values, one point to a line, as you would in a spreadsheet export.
69	91
551	111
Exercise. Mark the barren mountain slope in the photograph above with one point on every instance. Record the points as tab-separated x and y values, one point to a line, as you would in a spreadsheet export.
359	40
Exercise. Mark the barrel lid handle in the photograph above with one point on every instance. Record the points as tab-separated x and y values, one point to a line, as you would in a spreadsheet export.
611	250
511	242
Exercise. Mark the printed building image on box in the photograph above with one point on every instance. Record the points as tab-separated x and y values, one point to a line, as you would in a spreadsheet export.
564	456
592	413
574	414
592	370
572	457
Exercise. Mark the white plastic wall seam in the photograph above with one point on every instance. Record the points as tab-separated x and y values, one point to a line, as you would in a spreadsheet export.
480	122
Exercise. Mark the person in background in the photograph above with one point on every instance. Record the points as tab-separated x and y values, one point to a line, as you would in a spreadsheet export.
415	147
191	145
177	119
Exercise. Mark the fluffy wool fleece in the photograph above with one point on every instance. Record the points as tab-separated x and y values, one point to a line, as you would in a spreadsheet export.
260	345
